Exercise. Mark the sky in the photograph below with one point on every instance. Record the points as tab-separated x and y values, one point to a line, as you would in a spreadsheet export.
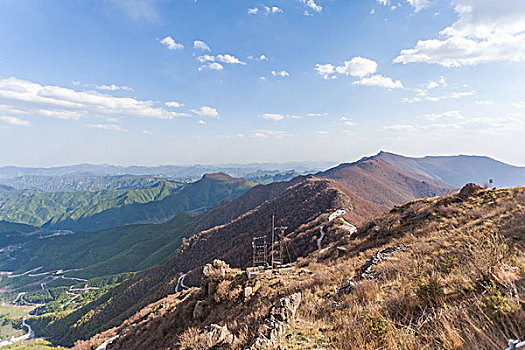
152	82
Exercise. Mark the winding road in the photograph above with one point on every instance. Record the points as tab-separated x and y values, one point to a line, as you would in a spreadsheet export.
346	226
30	334
180	282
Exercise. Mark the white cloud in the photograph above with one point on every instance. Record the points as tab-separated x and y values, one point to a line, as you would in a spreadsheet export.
314	115
267	10
446	115
418	5
263	58
173	104
109	127
356	67
326	70
270	133
202	122
486	31
206	112
171	44
35	98
422	93
227	58
520	104
461	94
65	115
282	73
224	58
272	10
273	117
212	66
437	83
14	121
146	132
206	58
380	81
312	5
201	45
323	133
113	87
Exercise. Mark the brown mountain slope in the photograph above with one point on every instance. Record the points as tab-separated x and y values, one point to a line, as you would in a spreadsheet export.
307	201
379	182
436	273
366	189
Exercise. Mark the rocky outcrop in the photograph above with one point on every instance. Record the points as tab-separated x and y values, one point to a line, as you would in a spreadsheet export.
280	315
367	270
468	190
214	273
216	336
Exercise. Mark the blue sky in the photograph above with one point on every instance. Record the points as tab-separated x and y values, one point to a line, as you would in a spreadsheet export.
214	81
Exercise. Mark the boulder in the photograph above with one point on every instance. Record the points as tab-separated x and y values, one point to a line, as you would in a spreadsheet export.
198	310
219	335
281	313
248	291
285	308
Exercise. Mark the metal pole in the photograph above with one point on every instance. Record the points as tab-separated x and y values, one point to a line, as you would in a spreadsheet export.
273	230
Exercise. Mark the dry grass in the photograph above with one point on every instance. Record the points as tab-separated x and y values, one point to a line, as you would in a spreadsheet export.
460	284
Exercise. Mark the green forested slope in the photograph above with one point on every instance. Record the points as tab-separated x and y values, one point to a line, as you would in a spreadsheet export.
91	211
36	207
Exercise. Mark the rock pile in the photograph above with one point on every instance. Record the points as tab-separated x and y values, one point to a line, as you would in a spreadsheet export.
280	315
367	270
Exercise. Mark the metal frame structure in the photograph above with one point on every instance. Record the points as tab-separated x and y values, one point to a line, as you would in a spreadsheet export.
260	251
261	256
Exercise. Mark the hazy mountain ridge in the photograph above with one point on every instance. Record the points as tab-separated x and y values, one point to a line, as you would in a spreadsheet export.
384	184
188	173
459	170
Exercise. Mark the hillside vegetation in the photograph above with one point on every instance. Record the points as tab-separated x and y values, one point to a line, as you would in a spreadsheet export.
36	207
91	211
81	182
435	273
131	247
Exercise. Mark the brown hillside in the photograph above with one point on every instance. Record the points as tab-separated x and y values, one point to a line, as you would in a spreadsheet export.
379	182
438	273
309	201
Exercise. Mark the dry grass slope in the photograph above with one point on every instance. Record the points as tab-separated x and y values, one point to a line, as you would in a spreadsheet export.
435	273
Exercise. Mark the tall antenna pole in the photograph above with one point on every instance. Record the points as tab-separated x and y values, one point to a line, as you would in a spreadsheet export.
273	231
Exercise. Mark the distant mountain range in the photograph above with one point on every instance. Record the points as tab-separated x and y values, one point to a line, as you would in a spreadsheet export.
180	173
459	170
